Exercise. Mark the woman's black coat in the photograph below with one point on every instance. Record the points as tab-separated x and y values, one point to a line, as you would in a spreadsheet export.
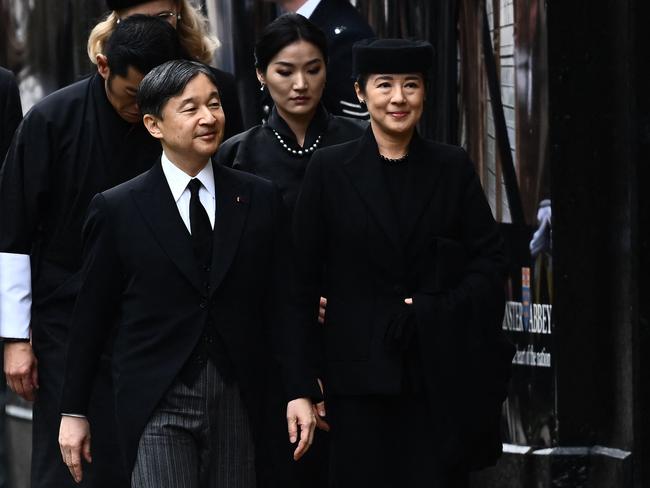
447	256
259	151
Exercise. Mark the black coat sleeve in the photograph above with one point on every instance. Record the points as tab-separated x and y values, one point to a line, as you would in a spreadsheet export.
10	111
95	309
293	340
25	183
458	321
308	231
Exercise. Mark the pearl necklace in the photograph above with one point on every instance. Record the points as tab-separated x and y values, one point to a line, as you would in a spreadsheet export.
298	152
394	160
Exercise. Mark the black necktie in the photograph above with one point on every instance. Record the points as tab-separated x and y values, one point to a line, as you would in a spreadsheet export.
200	225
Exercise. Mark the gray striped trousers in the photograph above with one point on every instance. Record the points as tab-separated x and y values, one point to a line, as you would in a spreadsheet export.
197	437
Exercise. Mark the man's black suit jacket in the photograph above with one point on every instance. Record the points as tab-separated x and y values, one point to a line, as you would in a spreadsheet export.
447	255
139	272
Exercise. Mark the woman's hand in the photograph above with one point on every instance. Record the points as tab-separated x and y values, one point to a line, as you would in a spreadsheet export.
319	412
321	310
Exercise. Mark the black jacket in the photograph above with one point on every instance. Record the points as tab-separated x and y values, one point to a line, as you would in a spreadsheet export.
139	270
259	151
11	112
343	25
446	254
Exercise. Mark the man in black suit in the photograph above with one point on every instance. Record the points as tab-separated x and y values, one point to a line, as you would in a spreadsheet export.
343	25
189	261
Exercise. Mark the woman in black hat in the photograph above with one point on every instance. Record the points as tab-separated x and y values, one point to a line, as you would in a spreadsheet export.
396	232
291	63
193	35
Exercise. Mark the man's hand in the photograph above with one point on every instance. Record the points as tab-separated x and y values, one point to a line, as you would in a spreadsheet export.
74	441
300	413
21	369
321	310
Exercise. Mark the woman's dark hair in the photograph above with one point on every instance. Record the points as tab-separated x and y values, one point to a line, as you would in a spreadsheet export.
166	81
285	30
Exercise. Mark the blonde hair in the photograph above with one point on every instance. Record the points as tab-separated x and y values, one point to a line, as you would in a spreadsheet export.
192	32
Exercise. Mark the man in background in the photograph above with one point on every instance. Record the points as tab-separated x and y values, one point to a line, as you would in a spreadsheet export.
11	114
76	142
343	25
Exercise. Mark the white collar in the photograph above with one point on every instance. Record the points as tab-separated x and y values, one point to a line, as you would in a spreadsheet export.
308	8
177	179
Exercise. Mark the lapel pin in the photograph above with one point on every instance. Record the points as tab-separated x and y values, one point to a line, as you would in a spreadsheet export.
240	199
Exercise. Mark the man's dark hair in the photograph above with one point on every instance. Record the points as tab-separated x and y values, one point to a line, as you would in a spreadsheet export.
285	30
166	81
142	42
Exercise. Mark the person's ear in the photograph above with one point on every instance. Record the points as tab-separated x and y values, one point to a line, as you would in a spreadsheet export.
260	77
152	125
102	66
359	92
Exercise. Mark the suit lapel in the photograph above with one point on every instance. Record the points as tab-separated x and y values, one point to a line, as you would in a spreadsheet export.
157	206
232	204
421	183
367	176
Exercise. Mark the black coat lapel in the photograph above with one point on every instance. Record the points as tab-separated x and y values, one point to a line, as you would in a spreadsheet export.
232	201
421	183
367	176
157	205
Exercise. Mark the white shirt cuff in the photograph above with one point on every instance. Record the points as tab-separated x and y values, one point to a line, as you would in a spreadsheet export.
76	415
15	295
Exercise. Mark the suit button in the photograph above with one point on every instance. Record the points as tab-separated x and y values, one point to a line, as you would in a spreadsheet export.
206	268
203	304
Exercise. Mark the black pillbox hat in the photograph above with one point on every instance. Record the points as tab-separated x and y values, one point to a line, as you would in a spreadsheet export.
121	4
391	56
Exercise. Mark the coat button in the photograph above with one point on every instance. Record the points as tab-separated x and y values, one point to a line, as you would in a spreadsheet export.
203	304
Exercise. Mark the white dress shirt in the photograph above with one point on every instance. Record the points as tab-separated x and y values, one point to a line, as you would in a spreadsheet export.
15	295
308	8
177	180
